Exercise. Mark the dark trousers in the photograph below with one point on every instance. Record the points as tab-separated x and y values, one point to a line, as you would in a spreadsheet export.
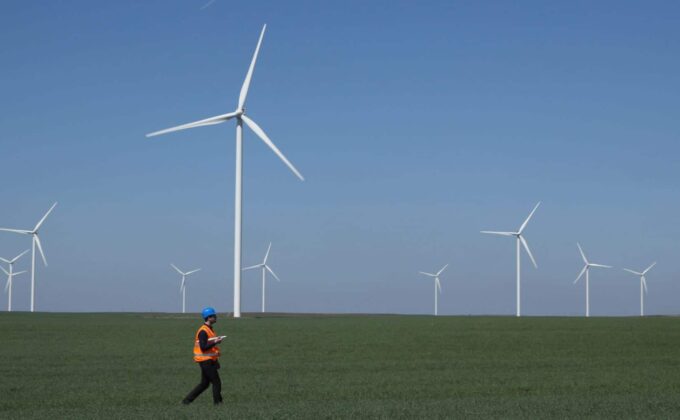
209	375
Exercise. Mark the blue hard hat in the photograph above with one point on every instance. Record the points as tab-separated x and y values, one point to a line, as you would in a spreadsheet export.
208	312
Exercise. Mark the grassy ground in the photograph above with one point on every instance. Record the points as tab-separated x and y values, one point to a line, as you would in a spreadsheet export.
139	365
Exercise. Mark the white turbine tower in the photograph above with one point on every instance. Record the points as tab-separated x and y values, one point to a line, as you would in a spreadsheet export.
437	286
10	275
36	242
643	285
586	270
264	268
183	286
241	118
520	242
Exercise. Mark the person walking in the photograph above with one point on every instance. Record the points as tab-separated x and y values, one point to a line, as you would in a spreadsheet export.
206	354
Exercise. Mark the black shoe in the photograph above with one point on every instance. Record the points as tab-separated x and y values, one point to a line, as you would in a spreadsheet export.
186	402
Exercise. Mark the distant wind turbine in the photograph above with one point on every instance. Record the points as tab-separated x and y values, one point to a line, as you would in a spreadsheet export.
10	275
643	284
264	268
183	286
241	118
437	285
523	242
36	242
586	270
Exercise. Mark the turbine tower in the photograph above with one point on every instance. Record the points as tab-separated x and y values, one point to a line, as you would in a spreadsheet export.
241	118
437	285
10	275
35	242
264	268
643	285
183	286
520	242
586	270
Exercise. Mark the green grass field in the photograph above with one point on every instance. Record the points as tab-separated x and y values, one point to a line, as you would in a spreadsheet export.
139	365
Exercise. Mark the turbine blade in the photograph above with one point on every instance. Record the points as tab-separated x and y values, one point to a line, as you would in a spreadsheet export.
491	232
192	271
23	232
19	272
526	247
644	283
649	268
3	270
634	272
5	261
581	274
521	228
251	267
267	254
19	256
246	83
272	271
439	285
7	285
208	121
443	268
181	287
35	229
428	274
176	269
583	255
256	128
600	265
37	242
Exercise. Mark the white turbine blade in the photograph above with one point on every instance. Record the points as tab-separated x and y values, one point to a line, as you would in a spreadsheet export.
192	271
252	266
526	246
491	232
443	268
246	83
644	283
583	255
600	265
23	232
581	274
181	287
428	274
3	270
272	272
19	272
176	269
267	254
256	128
5	261
37	226
649	268
208	121
42	254
521	228
633	272
7	285
19	256
439	286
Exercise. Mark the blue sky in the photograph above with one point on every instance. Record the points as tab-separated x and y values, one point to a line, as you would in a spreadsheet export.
416	126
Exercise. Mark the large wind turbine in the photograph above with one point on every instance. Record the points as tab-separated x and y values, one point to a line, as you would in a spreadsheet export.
643	284
437	285
183	286
241	118
586	270
10	275
264	268
36	242
523	242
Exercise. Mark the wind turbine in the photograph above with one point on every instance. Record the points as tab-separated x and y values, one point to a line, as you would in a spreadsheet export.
643	284
586	270
241	118
523	242
36	242
264	268
10	275
183	286
437	285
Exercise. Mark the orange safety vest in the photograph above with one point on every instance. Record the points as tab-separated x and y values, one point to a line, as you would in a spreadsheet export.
211	354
